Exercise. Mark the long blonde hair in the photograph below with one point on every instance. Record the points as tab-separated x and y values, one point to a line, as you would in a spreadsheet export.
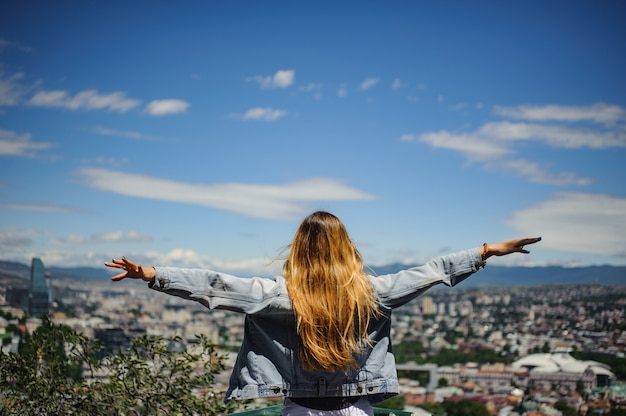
332	297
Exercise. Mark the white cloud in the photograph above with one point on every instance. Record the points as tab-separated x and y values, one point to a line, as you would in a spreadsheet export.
14	144
107	237
125	133
261	201
89	100
262	114
14	238
38	208
281	79
472	146
555	136
397	84
576	222
165	107
535	173
311	86
343	91
12	90
369	83
598	113
493	143
257	266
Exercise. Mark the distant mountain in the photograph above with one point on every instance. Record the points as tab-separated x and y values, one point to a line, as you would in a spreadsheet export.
534	276
490	276
19	270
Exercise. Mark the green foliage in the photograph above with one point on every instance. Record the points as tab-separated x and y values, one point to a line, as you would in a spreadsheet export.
465	407
395	403
565	409
155	380
617	364
47	377
434	408
409	351
414	351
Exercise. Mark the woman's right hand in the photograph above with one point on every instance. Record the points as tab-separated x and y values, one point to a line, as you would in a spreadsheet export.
507	247
131	270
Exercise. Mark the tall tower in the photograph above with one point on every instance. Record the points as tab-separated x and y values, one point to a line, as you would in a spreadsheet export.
39	291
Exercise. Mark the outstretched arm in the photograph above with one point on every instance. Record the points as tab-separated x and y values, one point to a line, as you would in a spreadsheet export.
131	270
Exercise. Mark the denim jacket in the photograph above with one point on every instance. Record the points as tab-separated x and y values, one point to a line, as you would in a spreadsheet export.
267	363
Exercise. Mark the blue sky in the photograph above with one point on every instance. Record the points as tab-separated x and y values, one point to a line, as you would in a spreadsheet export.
201	133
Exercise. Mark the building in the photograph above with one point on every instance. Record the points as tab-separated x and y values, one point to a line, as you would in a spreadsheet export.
428	307
18	296
39	291
561	368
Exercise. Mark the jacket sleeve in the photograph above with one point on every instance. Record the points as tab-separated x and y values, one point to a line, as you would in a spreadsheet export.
394	290
217	290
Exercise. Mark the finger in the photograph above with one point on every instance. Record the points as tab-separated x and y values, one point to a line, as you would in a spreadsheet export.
113	263
129	263
119	277
530	240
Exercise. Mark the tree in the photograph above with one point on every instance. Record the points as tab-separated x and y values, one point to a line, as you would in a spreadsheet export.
465	407
565	409
393	403
155	380
46	377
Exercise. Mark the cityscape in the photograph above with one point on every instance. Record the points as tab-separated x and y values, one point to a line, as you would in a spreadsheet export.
528	337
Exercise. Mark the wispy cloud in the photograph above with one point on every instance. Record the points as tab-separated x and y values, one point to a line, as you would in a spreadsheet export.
369	83
84	100
38	208
12	89
535	173
106	237
397	84
311	86
14	144
472	146
166	107
493	143
9	44
555	136
261	201
598	113
134	135
577	222
314	88
261	114
343	91
281	79
15	238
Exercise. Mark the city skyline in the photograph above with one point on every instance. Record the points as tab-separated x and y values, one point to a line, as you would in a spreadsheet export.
201	134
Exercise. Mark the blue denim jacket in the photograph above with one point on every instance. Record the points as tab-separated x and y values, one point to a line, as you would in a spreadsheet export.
267	363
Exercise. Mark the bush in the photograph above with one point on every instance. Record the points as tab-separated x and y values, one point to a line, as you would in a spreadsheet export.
46	377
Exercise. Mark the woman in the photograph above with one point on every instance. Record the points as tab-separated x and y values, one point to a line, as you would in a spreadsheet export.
320	334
